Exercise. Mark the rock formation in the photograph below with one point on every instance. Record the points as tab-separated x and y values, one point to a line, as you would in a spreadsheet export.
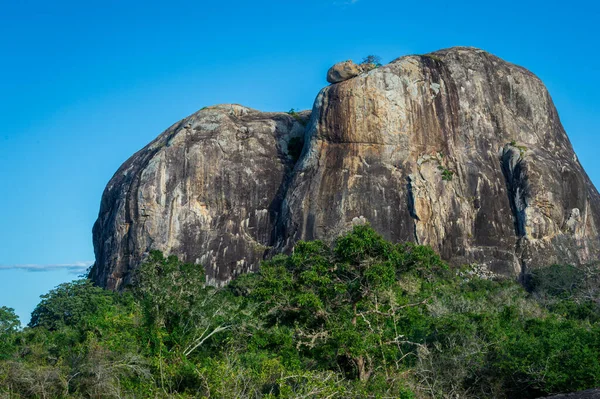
345	70
456	149
208	189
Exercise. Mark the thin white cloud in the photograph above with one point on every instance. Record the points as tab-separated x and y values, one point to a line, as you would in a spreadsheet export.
345	2
75	267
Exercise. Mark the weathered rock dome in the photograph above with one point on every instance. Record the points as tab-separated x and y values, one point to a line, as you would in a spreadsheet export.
456	149
208	189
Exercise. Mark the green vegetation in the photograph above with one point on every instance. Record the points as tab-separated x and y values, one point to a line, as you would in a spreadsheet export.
297	116
522	148
371	62
433	57
446	173
361	318
295	146
9	326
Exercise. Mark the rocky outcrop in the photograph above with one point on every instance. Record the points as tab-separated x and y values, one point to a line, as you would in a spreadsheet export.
346	70
208	189
456	149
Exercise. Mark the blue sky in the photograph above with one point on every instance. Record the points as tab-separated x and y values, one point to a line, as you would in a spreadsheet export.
85	84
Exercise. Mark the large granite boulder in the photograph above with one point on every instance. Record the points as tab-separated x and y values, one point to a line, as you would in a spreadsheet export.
343	71
457	149
208	189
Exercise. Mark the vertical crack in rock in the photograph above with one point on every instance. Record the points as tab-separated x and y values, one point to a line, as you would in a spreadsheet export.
514	169
296	149
411	207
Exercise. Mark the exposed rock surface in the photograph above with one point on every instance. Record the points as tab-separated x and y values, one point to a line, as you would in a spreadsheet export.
343	71
207	189
456	149
589	394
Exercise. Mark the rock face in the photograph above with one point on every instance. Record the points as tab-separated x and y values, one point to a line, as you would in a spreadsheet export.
456	149
208	189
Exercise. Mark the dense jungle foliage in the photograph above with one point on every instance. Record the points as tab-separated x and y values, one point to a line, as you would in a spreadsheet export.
362	318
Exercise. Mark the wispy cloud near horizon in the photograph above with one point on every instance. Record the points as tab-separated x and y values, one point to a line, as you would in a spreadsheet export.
74	268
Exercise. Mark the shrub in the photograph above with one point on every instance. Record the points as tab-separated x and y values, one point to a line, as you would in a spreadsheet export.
373	60
295	146
446	173
292	112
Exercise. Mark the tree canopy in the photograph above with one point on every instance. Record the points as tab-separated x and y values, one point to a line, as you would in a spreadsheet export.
358	318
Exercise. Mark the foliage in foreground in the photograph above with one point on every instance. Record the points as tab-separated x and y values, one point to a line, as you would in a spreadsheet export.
356	319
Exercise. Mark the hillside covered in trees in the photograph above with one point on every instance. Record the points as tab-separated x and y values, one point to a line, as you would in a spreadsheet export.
361	318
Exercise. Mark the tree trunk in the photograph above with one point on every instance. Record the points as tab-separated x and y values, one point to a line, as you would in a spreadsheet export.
364	369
